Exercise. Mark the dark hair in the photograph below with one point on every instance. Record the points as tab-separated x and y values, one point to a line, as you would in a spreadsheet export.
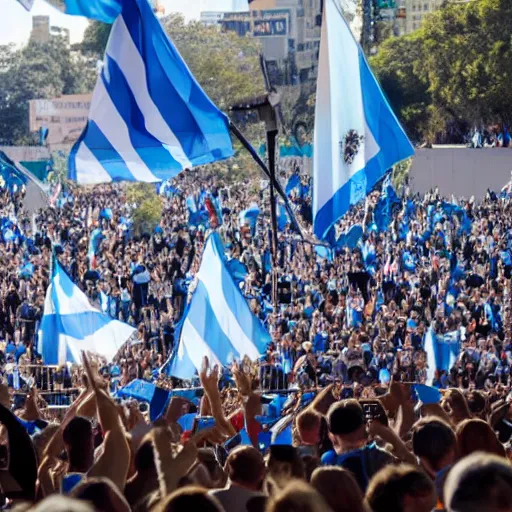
145	456
78	437
390	485
190	498
345	417
77	430
432	438
245	465
476	402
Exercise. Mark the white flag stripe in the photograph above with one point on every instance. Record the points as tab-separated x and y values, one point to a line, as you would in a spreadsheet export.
88	168
124	52
104	113
210	275
196	347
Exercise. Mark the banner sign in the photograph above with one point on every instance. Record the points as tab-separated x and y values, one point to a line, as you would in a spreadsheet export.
65	117
273	27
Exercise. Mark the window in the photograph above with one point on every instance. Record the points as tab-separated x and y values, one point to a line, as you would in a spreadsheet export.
425	7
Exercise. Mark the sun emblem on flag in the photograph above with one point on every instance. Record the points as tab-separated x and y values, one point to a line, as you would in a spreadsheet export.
350	145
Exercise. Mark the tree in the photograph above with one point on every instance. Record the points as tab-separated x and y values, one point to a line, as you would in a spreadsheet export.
452	74
37	71
396	65
95	39
148	207
225	64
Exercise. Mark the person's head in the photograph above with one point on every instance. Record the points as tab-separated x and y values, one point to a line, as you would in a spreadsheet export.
345	420
477	436
102	494
284	463
207	458
402	488
298	496
308	427
479	483
59	503
79	442
189	499
339	488
434	443
245	467
477	403
145	457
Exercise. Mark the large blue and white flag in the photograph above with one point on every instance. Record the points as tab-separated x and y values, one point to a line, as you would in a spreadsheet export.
149	118
70	324
357	136
442	352
218	322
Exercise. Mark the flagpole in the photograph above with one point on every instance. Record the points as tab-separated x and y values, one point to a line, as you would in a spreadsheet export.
273	180
271	148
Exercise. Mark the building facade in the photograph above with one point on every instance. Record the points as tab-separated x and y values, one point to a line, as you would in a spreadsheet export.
415	12
40	29
289	31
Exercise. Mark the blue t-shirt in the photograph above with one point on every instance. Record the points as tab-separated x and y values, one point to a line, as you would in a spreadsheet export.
363	463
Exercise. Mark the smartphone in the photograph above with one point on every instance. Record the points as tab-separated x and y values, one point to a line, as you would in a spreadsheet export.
373	411
233	442
203	422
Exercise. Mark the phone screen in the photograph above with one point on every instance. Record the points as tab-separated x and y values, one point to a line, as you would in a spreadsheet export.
203	422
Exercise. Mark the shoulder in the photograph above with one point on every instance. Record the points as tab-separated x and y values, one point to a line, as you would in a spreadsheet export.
329	458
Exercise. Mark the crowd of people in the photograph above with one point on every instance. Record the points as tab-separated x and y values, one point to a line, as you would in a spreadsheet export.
352	341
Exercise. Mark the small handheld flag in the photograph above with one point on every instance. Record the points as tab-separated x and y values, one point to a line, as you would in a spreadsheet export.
357	136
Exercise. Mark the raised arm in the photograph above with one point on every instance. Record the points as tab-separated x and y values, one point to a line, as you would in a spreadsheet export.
114	462
210	382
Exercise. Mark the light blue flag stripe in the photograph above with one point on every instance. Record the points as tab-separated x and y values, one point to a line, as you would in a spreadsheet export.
442	352
101	10
218	322
149	118
357	136
70	324
206	321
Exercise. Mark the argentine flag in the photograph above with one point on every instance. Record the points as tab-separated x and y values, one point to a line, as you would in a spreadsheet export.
218	322
149	118
70	324
357	136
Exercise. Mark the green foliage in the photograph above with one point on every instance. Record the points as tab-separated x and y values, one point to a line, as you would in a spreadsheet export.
401	173
455	72
396	66
226	65
95	39
59	172
37	71
148	207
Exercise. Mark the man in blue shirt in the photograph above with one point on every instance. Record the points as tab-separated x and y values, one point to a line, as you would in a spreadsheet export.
347	431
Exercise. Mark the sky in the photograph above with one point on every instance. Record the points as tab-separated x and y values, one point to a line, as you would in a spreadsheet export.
16	25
